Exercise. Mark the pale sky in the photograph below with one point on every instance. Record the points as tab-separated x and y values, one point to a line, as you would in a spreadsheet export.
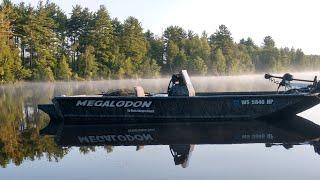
291	23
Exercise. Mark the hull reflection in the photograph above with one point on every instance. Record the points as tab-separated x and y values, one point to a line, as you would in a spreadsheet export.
181	137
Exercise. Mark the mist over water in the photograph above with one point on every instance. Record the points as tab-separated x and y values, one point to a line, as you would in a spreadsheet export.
252	82
18	104
43	92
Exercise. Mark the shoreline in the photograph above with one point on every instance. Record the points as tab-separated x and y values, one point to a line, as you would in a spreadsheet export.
314	73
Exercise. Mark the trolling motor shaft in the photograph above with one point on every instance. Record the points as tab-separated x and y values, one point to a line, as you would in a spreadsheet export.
287	78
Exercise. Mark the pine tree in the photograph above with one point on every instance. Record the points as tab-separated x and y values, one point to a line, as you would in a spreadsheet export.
34	39
222	39
175	34
172	51
78	31
155	47
87	64
149	68
63	71
269	56
133	42
42	43
299	60
220	62
10	62
102	40
198	66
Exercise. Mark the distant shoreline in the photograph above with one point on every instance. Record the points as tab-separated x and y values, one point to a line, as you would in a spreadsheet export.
43	43
294	73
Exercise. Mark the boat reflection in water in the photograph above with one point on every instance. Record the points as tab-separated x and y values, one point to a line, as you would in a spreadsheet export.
182	137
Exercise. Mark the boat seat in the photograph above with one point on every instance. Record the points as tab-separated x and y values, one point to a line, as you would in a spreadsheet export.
188	83
139	91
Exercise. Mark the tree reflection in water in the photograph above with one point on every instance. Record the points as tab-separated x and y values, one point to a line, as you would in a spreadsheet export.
20	120
20	123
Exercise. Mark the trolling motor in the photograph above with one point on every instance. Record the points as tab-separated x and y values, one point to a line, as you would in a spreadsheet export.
286	80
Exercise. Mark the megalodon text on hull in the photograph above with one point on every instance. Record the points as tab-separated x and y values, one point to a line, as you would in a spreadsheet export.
115	138
113	103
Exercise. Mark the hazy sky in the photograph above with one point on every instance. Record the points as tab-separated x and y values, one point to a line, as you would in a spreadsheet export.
290	22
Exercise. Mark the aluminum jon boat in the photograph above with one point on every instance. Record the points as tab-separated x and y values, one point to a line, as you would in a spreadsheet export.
182	104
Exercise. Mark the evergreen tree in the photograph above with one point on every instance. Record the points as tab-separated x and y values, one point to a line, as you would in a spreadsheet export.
220	62
222	39
175	34
78	30
299	61
155	47
268	56
37	43
285	61
205	48
180	61
174	37
87	64
41	43
245	62
63	71
10	63
102	40
150	68
197	66
133	43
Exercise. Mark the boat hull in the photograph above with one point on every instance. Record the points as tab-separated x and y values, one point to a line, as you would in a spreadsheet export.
117	110
294	131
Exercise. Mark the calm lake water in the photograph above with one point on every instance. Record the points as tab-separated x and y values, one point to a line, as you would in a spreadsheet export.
24	154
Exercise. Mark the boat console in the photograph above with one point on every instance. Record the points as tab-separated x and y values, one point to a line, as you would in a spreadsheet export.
180	85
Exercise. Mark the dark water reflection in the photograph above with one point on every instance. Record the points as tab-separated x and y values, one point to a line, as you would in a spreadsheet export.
24	153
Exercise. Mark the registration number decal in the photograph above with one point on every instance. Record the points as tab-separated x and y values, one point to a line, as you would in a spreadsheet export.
253	102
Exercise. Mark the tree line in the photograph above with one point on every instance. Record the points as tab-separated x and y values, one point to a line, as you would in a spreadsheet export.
42	43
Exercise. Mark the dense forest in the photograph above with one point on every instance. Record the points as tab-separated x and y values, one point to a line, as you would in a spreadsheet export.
44	43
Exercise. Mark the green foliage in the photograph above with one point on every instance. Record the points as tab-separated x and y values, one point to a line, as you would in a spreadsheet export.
43	73
10	63
43	43
87	64
102	40
133	42
149	68
63	71
245	64
268	56
20	125
220	62
155	48
198	66
222	39
174	33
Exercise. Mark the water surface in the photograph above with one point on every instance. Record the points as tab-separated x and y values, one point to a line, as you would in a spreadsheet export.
25	154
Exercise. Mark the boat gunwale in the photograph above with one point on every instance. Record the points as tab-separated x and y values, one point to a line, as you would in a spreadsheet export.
198	95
